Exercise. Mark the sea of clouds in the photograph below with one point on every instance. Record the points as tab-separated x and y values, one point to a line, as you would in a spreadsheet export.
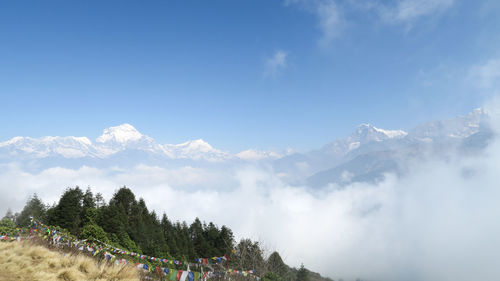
439	222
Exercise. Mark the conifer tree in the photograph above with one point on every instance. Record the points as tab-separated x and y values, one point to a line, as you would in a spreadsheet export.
196	235
302	274
67	214
276	265
34	207
225	242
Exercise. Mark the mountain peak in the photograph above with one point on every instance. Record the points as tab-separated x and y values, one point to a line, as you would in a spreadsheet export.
370	132
198	144
478	111
120	134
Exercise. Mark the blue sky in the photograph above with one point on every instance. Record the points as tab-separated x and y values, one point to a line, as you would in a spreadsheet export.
262	74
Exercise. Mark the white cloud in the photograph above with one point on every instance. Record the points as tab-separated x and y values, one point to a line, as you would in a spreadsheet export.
276	64
332	16
329	22
328	14
407	11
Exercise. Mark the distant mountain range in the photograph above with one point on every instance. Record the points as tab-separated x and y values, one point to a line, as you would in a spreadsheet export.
366	155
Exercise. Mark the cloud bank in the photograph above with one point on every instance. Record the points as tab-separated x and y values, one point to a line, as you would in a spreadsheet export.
439	222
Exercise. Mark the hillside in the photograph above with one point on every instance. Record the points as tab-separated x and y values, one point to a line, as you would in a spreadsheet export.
27	261
125	229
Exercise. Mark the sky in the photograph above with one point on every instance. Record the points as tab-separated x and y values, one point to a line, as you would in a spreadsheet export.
265	74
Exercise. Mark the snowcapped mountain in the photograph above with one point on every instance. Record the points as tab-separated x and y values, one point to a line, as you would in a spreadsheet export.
365	155
114	140
369	152
68	147
124	137
394	152
256	155
457	128
364	133
196	149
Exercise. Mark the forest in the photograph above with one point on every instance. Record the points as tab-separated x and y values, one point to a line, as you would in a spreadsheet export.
125	222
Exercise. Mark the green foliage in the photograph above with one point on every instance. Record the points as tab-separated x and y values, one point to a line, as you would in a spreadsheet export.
127	243
67	214
34	208
90	216
276	265
271	276
94	232
7	227
303	274
249	255
127	223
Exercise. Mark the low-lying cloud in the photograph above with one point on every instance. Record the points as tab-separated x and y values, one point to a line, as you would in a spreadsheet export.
439	222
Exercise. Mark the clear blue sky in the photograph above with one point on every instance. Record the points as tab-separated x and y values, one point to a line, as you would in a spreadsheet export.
266	74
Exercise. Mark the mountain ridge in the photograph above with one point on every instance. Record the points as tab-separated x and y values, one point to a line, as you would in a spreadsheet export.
125	145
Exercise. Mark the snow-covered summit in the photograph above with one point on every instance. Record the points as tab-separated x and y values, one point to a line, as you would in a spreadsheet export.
118	139
68	147
366	132
120	134
195	145
363	134
457	128
195	149
256	155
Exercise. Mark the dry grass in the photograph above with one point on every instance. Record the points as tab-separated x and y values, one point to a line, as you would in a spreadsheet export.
26	261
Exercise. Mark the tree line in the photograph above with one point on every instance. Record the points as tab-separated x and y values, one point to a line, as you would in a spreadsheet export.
125	222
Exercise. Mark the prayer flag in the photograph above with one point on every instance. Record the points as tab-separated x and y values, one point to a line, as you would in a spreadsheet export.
184	275
173	275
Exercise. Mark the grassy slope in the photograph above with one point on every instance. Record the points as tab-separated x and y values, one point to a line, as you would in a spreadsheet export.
26	261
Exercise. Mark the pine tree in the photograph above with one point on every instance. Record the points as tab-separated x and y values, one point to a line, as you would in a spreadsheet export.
89	212
34	208
99	200
68	212
10	215
197	237
276	265
225	241
302	274
169	235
